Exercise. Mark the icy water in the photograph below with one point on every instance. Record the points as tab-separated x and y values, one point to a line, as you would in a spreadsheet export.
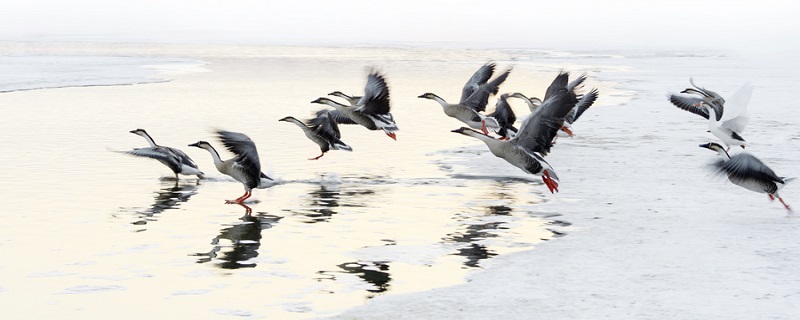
89	232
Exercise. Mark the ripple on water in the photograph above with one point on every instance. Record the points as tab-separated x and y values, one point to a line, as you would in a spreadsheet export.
83	289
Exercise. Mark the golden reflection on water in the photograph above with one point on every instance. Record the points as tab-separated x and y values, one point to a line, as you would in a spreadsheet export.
87	227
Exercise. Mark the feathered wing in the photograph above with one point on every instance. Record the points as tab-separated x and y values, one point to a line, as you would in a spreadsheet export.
558	85
504	115
735	116
577	83
584	103
376	95
480	98
326	127
537	131
184	158
483	74
746	166
161	154
248	163
689	104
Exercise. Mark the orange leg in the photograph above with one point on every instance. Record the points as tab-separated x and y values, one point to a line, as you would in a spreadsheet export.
483	127
317	157
240	199
392	135
567	130
549	182
784	204
771	198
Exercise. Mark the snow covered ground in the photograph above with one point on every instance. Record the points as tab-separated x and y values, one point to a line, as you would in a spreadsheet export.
654	235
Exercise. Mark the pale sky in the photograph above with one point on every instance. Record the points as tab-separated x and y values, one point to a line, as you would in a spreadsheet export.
555	24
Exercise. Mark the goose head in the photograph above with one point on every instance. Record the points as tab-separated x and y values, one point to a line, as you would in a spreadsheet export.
287	119
428	96
139	132
715	147
338	94
201	145
323	100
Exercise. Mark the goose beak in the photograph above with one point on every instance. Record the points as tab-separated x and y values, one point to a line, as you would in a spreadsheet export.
194	145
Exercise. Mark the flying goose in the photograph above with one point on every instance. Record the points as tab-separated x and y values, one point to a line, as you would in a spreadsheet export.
371	111
747	171
505	117
173	158
532	102
323	131
474	98
525	150
353	100
727	118
245	167
584	103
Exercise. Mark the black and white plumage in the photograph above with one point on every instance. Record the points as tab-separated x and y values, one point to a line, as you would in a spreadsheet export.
727	118
474	98
245	167
371	111
747	171
525	150
505	117
175	159
584	102
323	131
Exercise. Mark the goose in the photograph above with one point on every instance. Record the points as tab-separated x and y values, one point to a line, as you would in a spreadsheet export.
727	118
747	171
505	117
353	100
371	111
474	98
244	167
585	101
323	131
526	149
178	161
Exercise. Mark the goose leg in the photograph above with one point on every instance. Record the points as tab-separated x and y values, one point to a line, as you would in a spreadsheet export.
771	198
317	157
551	184
483	127
567	130
239	199
392	135
784	204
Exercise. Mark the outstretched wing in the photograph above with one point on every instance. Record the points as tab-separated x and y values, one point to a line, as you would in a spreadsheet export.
162	154
478	78
325	126
745	166
480	98
336	116
735	116
689	104
245	150
538	130
376	95
584	103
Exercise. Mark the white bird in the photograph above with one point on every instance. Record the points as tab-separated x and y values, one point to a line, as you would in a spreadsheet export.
727	118
533	140
245	167
747	171
323	131
371	111
176	160
474	98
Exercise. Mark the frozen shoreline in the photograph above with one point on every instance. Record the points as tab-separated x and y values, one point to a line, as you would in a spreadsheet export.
653	235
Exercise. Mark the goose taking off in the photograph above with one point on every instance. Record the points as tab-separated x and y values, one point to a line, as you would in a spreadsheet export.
537	130
474	98
727	119
746	171
505	117
175	159
245	167
323	131
371	111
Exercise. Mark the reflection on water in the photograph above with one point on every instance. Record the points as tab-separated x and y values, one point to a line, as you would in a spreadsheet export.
374	273
323	199
244	238
166	198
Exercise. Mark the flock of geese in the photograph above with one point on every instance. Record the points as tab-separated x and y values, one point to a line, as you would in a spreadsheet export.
524	147
727	119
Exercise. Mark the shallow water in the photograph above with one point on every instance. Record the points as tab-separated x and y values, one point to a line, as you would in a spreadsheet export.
87	227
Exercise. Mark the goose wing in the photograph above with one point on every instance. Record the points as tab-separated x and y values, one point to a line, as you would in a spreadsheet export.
376	95
503	113
577	83
735	116
480	98
184	158
745	166
689	104
478	78
707	93
164	155
584	103
325	126
538	130
558	85
247	162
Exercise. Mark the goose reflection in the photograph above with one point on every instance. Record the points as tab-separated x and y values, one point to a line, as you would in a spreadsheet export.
375	273
165	199
472	249
244	237
322	203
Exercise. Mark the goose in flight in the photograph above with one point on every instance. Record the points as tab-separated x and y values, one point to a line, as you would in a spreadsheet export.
323	131
526	149
245	167
474	98
727	118
175	159
371	111
747	171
